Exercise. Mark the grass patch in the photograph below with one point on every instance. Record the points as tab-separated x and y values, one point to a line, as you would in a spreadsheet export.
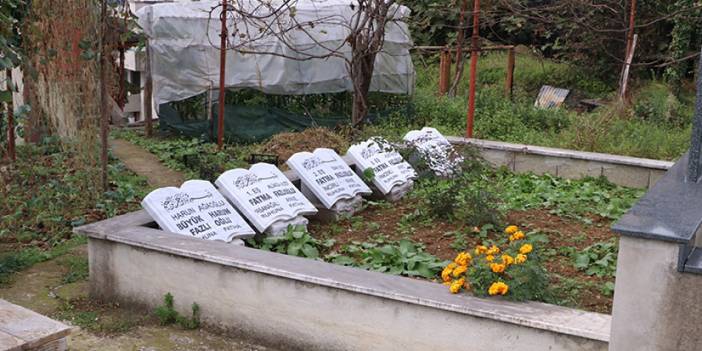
15	261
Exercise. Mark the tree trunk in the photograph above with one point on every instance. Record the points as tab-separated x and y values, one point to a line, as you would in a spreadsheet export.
361	76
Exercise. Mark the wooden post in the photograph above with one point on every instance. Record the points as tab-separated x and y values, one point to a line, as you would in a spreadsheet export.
148	95
473	68
627	65
10	117
629	50
222	71
104	111
444	71
509	80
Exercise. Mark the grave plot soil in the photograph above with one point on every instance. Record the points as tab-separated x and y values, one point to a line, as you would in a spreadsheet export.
285	145
573	287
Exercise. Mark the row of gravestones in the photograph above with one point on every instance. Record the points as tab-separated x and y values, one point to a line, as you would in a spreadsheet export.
271	202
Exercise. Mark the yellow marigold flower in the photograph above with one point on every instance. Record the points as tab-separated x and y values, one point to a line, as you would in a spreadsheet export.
507	259
525	249
511	229
456	286
459	270
480	249
520	259
497	267
463	259
493	250
498	288
489	258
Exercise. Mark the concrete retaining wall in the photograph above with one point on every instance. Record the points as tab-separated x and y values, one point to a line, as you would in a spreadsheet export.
303	304
623	170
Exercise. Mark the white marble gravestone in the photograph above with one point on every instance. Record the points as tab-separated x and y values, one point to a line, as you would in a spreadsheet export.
392	174
266	197
196	209
325	175
435	150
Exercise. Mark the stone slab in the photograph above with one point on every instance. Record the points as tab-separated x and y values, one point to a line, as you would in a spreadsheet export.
32	329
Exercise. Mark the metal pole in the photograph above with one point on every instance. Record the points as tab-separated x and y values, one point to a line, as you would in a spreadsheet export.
509	81
10	117
104	115
473	68
222	70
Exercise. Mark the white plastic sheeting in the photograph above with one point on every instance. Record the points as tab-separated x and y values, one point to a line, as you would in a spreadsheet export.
184	43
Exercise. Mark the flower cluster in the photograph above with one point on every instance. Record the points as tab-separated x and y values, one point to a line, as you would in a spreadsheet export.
491	269
453	275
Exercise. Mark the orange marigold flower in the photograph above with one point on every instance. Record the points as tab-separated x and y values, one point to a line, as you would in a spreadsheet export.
456	286
459	270
489	258
497	267
507	259
517	236
463	259
480	249
493	250
498	288
520	259
525	249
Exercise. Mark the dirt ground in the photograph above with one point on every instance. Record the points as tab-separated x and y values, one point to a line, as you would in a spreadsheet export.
107	327
583	291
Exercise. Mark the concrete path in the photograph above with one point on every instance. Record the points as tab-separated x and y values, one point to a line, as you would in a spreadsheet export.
145	164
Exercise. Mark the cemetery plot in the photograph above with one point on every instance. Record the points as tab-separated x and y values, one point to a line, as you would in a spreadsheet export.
264	195
327	175
389	169
435	150
196	209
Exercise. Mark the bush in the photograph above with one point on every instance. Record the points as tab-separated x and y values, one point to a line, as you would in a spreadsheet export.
656	103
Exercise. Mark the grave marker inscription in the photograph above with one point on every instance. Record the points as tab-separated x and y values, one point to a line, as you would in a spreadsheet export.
265	196
327	176
196	209
389	169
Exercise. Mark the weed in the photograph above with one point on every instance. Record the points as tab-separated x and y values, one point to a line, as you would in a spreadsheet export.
296	241
167	315
599	259
77	269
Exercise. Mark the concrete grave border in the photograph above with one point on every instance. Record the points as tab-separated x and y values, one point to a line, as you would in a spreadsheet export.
312	305
521	158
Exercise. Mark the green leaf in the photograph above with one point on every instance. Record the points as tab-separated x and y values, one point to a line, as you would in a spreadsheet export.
310	251
582	260
294	248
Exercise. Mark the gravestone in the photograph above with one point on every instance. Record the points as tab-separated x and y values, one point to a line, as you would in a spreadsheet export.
392	175
266	197
436	151
329	182
196	209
